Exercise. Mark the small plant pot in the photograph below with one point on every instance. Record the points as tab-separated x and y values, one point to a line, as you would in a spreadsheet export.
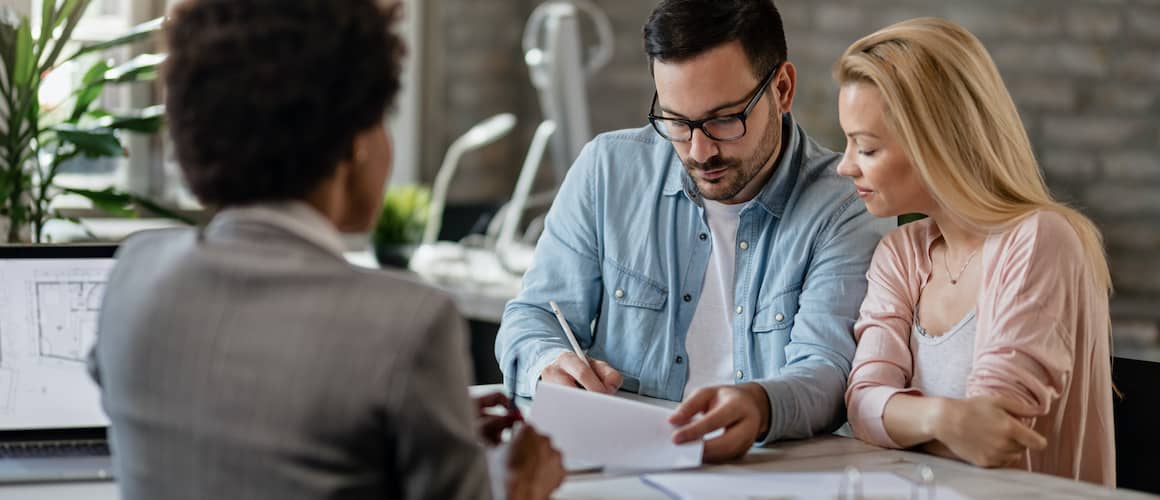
394	256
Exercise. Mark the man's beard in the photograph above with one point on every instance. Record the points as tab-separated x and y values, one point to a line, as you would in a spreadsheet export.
740	173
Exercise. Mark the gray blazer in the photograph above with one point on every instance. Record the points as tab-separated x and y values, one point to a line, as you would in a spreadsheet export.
250	363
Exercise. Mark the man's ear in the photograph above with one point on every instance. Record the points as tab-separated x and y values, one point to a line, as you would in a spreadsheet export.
786	86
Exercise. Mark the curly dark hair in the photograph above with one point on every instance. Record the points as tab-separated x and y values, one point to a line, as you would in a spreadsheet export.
265	97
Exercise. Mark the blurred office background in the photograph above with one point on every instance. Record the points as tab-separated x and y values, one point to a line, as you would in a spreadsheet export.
1085	74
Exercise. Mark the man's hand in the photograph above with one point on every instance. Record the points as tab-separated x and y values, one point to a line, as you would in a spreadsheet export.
570	370
982	431
742	410
492	424
535	469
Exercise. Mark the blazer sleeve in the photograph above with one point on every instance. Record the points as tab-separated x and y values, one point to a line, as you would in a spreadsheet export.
883	364
437	454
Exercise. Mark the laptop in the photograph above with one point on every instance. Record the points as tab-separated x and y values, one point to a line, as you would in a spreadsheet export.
52	427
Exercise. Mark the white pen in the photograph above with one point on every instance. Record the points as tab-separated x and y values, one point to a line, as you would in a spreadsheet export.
568	333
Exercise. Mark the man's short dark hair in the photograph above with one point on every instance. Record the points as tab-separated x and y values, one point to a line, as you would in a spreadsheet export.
681	29
265	97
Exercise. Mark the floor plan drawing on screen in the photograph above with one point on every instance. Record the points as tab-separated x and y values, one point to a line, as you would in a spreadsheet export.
67	317
49	312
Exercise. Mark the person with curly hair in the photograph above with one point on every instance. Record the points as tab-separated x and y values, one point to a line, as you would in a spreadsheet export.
247	358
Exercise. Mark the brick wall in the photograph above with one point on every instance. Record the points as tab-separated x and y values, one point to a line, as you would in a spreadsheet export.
1084	73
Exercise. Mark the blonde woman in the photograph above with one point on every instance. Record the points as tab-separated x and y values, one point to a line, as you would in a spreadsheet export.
984	335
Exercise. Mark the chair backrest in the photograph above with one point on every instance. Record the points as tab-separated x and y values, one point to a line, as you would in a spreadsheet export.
1137	414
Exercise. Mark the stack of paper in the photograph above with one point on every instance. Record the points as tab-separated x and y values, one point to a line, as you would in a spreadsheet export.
618	434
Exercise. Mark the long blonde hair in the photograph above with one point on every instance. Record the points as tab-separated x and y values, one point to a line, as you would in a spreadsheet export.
947	104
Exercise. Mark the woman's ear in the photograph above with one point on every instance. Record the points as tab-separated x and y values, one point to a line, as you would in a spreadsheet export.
360	153
372	148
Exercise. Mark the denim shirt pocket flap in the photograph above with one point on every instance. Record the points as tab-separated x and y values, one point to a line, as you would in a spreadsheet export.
633	290
777	313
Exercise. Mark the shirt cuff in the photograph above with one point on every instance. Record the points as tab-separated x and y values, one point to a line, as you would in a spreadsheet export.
780	409
529	373
867	416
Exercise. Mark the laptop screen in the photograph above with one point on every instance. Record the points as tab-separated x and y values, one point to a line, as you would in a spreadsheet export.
49	300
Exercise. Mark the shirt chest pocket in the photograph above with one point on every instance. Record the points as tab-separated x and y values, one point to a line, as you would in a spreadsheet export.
632	319
633	290
776	313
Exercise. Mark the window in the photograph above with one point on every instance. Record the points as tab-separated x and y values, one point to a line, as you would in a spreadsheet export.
149	168
139	171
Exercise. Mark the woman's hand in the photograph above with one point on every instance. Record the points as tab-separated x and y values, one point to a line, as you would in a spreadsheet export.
491	424
535	469
982	431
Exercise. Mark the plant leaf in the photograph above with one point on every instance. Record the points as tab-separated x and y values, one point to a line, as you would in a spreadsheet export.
109	200
71	13
24	62
92	86
141	68
70	9
9	26
147	121
403	217
135	34
157	209
48	21
75	220
125	204
93	143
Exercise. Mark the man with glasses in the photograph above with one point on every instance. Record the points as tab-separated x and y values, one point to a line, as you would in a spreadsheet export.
715	258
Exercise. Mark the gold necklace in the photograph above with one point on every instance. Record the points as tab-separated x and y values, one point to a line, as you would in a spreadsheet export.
946	265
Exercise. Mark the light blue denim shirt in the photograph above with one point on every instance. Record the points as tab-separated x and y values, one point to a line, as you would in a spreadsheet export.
624	253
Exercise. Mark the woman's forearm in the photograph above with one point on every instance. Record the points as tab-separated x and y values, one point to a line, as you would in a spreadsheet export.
938	449
912	420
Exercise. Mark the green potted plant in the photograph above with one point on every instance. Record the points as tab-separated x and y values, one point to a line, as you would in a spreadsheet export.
400	225
36	141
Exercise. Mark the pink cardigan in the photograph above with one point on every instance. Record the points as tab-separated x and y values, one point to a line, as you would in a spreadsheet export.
1042	340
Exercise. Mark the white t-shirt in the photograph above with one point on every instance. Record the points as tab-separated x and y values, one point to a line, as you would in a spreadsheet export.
942	364
710	338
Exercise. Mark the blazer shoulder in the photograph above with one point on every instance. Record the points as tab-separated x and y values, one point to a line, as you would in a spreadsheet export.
404	292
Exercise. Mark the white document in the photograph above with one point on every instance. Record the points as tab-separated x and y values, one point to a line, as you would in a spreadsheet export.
747	485
616	433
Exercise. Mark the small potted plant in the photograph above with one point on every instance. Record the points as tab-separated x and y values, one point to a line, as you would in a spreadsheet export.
400	226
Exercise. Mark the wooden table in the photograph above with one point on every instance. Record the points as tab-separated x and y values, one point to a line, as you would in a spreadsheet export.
835	453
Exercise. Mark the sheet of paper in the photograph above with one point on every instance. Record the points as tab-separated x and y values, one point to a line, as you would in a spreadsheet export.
616	433
748	485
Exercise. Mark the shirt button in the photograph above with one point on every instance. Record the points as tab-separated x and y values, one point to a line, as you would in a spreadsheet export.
703	236
744	245
779	317
740	374
619	294
680	360
688	298
739	309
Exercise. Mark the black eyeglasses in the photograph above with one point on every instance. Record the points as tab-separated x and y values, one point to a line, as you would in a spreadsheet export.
719	128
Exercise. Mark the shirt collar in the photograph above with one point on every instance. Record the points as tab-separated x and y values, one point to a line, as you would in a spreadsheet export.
296	217
776	192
